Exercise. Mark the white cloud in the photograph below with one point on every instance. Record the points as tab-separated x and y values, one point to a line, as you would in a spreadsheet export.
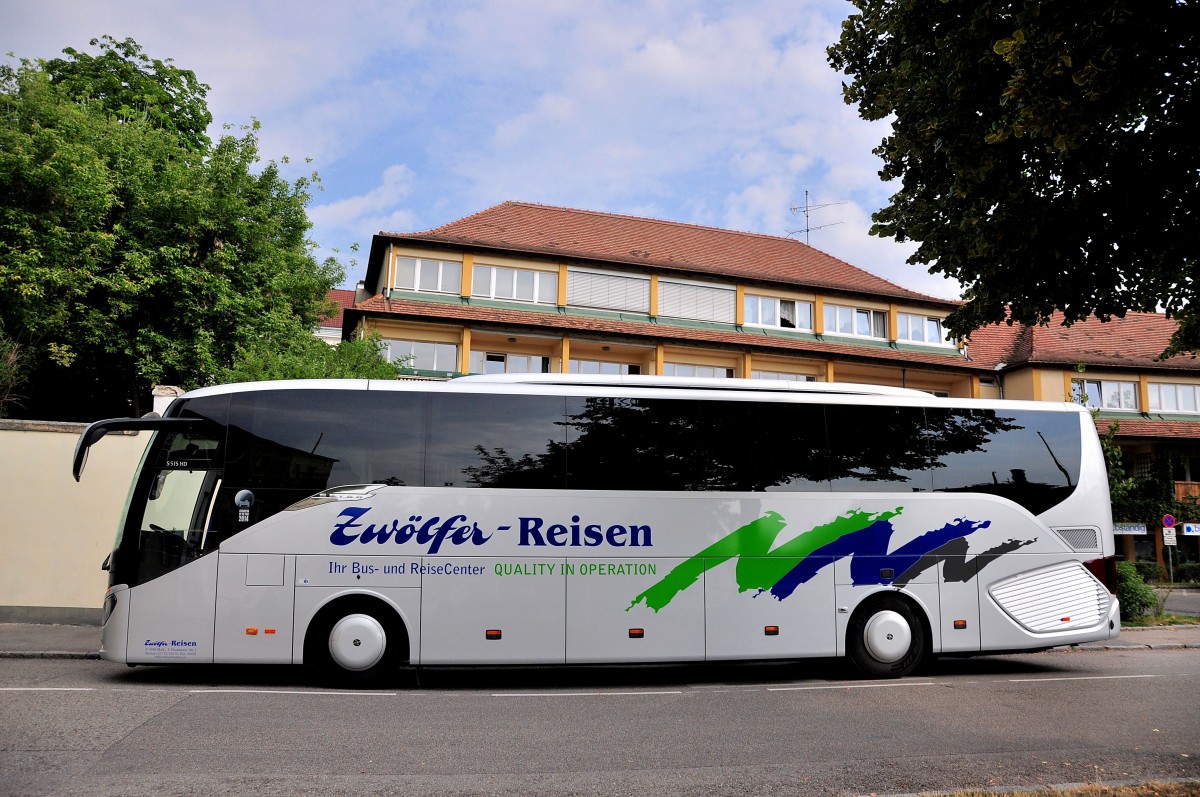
376	210
693	110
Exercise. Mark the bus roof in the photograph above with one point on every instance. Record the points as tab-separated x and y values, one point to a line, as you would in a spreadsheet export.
580	384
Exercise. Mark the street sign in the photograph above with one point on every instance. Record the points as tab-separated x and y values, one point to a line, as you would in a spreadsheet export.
1168	536
1168	521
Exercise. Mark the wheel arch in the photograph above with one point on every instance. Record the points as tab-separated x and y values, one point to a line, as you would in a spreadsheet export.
877	600
349	601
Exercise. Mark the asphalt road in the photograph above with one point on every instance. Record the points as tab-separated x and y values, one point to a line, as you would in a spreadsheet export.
94	728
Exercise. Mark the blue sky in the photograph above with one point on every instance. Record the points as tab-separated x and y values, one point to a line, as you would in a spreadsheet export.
418	113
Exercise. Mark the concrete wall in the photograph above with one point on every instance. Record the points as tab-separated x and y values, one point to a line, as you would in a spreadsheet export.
54	532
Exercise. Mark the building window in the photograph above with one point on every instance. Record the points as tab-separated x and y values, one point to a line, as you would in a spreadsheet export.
603	367
423	274
706	371
521	284
782	376
921	329
1166	397
765	311
842	320
696	301
493	362
422	356
1105	394
608	290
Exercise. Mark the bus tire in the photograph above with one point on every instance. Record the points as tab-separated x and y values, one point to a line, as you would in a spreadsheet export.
357	641
886	638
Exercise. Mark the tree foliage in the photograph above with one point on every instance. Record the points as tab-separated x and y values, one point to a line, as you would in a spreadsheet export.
307	357
130	85
132	251
1044	150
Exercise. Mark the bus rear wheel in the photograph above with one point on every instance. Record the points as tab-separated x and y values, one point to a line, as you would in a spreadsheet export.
886	639
355	641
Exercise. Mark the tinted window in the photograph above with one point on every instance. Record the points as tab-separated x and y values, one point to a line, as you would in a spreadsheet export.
285	445
1029	457
879	448
752	446
636	444
496	441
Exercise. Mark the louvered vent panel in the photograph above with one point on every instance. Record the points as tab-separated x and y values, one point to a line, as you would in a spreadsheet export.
1055	599
1082	539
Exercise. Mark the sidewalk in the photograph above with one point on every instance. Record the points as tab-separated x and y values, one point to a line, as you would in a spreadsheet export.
29	641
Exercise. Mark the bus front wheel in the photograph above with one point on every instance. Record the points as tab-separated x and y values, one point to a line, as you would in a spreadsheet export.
886	639
356	640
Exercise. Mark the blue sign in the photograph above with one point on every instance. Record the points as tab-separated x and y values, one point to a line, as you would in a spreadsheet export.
1168	521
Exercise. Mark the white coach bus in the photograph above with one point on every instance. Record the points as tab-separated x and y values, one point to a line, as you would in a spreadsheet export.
360	526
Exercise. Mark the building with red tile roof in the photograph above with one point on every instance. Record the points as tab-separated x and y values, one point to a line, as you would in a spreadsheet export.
329	329
527	287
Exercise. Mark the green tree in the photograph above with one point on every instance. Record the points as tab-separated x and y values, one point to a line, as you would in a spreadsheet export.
131	85
307	357
1044	150
134	253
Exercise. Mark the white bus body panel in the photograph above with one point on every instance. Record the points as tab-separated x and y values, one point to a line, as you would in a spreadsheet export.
736	621
958	600
526	602
255	598
171	617
601	615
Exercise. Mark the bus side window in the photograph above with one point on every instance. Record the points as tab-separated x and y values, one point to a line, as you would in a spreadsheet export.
479	440
878	448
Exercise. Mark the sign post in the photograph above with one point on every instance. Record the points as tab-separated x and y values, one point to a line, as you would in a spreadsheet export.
1169	544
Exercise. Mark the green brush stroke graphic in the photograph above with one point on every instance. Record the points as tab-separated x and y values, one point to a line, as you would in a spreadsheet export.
758	566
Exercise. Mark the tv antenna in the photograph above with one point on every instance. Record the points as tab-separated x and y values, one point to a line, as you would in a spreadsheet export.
806	209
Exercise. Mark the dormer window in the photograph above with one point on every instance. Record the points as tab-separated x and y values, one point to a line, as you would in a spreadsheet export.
1105	394
424	274
519	284
767	311
921	329
855	321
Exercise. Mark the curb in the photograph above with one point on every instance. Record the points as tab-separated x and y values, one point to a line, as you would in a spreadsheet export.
48	654
1149	646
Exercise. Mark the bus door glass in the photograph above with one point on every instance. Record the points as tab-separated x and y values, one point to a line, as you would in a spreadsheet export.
171	514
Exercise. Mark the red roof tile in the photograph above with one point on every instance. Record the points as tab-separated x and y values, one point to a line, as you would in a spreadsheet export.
662	245
1132	342
1150	428
344	299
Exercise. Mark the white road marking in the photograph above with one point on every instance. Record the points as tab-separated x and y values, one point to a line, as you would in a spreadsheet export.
845	686
1079	678
46	689
584	694
287	692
